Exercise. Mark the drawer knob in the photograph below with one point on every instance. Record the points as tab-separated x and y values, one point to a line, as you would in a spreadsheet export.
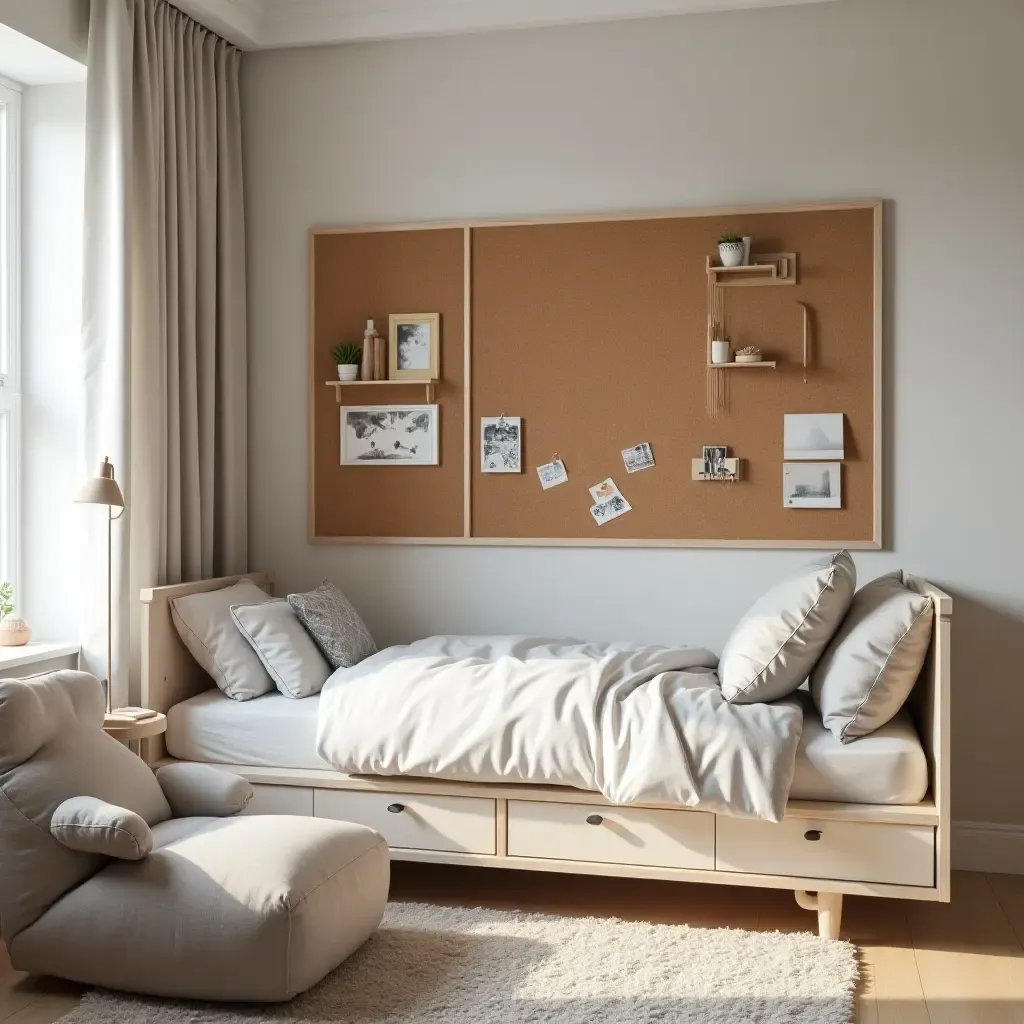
594	819
396	808
812	836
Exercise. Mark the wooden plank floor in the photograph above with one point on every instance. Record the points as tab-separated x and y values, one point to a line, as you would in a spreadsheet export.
961	963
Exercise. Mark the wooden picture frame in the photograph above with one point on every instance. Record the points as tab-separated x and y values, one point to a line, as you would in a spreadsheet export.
414	323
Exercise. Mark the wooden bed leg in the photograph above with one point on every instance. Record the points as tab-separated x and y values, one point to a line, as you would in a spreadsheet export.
829	906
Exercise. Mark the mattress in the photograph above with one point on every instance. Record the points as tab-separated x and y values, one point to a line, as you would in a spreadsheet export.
274	731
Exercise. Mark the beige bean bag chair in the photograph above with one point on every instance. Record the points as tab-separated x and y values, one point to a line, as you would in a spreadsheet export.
116	877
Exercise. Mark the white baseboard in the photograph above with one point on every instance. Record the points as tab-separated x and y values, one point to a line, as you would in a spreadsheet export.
988	846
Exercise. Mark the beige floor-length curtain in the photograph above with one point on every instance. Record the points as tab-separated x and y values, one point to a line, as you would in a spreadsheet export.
164	322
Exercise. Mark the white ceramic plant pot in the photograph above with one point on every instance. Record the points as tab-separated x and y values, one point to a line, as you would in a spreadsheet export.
14	633
719	351
348	371
731	253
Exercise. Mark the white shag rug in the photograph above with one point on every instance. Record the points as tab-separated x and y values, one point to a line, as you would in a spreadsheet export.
441	965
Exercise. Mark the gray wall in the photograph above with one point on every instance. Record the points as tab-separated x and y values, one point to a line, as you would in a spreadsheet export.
917	101
61	24
53	197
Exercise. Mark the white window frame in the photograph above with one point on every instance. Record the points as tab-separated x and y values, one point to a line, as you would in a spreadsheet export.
10	332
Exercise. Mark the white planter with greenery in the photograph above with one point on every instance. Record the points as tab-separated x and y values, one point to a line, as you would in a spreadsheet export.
348	358
13	632
731	250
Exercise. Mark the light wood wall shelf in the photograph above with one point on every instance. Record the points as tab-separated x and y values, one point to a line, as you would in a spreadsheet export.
763	364
766	269
428	385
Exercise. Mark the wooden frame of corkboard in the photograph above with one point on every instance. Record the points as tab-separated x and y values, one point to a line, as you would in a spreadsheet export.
516	296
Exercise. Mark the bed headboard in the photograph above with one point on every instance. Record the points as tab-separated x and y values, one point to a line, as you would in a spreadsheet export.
930	705
169	672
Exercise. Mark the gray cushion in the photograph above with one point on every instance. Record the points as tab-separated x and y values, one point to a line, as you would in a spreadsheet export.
334	624
205	625
89	825
52	748
251	909
868	670
203	791
287	651
776	644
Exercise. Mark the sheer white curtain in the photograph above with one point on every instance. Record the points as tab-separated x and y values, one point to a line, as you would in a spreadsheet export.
164	311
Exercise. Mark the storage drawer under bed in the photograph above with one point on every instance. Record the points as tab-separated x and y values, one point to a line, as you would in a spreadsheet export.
451	824
843	850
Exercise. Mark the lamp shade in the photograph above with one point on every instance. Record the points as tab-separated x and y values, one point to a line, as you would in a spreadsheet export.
101	489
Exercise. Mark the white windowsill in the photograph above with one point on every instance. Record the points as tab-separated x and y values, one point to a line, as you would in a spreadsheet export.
15	657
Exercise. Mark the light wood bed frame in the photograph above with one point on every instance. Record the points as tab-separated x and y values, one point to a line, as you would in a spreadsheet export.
170	676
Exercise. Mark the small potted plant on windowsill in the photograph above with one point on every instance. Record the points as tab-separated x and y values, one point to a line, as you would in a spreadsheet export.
13	632
348	358
731	250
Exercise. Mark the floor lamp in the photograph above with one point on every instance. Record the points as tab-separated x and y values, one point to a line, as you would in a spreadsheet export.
103	490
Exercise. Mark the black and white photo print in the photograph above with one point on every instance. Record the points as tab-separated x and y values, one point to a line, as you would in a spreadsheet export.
389	435
638	457
552	474
812	485
714	461
613	507
501	444
813	436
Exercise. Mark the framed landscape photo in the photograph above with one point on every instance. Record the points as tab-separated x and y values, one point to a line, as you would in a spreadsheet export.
415	346
389	435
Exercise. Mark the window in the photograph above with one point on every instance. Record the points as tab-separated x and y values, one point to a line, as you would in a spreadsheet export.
10	332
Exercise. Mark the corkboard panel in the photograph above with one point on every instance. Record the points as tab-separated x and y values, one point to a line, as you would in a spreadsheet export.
595	334
361	275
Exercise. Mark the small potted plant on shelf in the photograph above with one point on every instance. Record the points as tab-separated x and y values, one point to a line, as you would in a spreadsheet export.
348	358
731	249
13	632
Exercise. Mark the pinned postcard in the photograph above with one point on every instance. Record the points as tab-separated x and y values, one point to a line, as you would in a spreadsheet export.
605	511
604	490
638	457
552	474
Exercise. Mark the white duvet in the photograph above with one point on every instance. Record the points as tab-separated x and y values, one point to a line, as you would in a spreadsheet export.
637	724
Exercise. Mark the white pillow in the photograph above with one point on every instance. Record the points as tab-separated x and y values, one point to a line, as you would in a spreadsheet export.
205	625
776	644
287	651
868	670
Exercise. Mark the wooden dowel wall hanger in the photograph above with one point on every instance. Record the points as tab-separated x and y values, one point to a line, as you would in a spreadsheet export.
807	337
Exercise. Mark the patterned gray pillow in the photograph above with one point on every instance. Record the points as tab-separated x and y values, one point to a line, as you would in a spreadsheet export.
334	624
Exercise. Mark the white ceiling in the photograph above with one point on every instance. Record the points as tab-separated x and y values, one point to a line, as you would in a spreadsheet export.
268	24
30	63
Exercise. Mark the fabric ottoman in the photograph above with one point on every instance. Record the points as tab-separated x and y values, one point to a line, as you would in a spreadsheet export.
251	909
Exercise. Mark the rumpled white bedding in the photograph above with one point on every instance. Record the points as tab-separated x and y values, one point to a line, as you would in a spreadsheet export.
637	724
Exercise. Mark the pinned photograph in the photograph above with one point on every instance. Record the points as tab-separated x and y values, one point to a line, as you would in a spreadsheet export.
638	457
415	346
714	461
501	444
605	511
389	435
812	485
604	490
813	436
552	474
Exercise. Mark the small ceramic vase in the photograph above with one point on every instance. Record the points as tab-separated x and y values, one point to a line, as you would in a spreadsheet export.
719	351
348	371
14	633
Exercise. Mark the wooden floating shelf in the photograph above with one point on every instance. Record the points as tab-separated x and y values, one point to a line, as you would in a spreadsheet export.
763	364
428	385
732	467
767	269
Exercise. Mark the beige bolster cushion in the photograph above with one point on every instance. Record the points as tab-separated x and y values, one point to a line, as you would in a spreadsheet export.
90	825
202	791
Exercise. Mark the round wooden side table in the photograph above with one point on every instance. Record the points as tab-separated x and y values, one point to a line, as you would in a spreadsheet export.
132	732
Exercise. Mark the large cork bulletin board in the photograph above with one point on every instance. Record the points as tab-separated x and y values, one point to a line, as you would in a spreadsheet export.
594	332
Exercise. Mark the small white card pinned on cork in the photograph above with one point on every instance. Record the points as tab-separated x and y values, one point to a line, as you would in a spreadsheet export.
552	473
